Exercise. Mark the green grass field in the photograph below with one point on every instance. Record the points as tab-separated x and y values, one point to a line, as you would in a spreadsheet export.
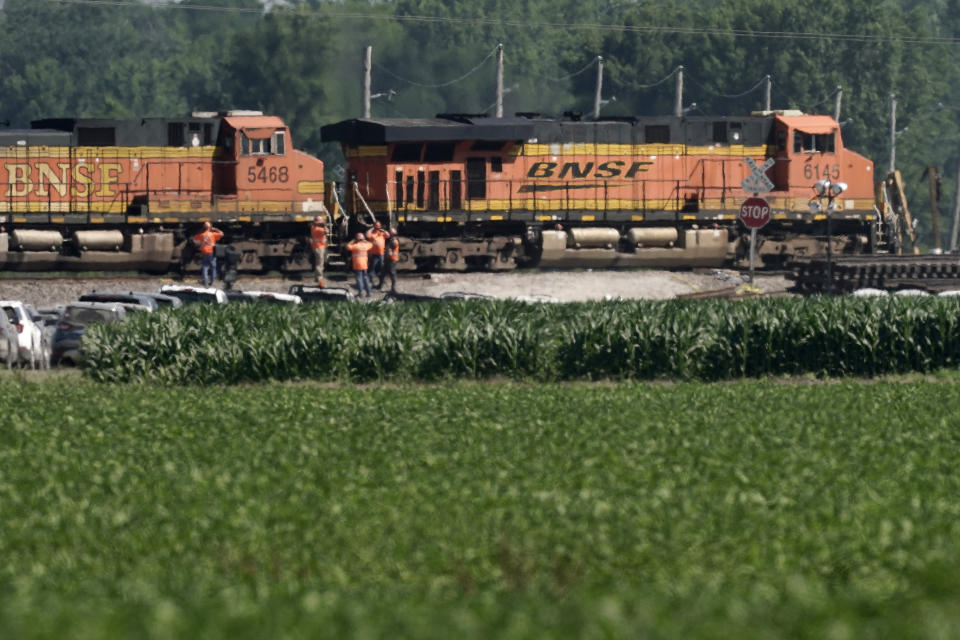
754	509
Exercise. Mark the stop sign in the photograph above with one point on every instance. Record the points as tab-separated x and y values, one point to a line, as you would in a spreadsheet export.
754	213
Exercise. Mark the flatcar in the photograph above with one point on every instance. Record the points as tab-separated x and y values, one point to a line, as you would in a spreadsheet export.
128	193
471	190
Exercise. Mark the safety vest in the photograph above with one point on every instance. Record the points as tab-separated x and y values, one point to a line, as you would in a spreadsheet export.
393	249
358	250
206	240
379	239
318	235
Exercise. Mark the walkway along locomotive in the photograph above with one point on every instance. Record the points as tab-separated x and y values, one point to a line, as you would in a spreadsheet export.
127	194
653	191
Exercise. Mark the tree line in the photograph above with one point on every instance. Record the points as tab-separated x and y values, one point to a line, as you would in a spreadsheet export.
302	60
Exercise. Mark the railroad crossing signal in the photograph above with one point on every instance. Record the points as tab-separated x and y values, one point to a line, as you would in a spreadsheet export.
757	181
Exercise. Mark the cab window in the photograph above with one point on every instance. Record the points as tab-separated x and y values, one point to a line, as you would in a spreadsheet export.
813	142
274	145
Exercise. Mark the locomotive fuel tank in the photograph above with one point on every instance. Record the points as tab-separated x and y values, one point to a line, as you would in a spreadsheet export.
111	240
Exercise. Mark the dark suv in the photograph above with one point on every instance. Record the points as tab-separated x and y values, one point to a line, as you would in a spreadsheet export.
73	324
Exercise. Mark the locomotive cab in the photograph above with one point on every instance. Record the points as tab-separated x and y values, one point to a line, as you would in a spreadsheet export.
810	148
255	160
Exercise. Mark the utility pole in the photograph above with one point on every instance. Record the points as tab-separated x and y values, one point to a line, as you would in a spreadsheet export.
893	132
500	80
837	99
678	96
599	93
933	177
367	63
767	90
956	216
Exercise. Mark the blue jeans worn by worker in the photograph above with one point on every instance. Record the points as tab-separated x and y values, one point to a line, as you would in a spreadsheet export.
208	269
376	267
363	281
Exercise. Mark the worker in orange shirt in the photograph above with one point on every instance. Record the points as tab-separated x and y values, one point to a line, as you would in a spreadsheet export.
318	240
358	248
393	257
207	240
378	237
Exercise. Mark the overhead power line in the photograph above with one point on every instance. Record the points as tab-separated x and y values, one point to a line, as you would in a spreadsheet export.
587	66
646	29
442	84
726	95
635	85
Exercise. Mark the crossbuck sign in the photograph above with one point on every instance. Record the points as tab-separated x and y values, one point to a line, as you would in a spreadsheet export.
757	181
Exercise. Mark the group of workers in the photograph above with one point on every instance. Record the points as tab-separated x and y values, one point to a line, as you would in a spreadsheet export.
375	253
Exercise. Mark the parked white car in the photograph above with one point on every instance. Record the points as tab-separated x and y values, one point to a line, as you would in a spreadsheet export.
8	342
191	295
269	297
33	350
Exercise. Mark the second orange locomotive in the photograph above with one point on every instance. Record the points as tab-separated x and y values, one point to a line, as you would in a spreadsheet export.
658	191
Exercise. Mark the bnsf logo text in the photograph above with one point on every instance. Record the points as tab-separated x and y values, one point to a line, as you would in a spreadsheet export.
604	170
80	180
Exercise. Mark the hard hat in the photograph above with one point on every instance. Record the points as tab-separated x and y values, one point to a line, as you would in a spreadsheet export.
207	225
318	220
377	225
359	236
393	232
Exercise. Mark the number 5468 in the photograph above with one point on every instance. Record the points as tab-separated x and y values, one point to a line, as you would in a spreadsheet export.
273	174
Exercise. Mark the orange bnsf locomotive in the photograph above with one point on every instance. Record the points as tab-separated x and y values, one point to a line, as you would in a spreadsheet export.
468	190
127	194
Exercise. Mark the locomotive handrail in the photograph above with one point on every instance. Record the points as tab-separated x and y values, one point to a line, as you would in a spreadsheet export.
356	190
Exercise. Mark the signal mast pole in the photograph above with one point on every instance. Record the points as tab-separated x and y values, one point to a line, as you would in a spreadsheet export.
837	99
500	80
678	96
766	92
893	132
956	217
367	63
599	92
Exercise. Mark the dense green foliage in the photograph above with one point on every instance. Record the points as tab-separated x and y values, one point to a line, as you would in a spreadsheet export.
302	60
705	340
748	510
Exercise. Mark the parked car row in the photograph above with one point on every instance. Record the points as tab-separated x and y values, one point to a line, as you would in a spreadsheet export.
38	338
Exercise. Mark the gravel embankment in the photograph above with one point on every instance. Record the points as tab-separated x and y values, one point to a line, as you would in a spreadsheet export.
566	286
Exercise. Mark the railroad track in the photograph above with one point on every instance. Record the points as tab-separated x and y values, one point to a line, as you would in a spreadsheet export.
849	273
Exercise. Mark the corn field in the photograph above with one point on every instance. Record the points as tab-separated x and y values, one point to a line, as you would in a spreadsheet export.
621	340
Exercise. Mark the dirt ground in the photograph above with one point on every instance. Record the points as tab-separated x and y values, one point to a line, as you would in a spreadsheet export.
565	286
